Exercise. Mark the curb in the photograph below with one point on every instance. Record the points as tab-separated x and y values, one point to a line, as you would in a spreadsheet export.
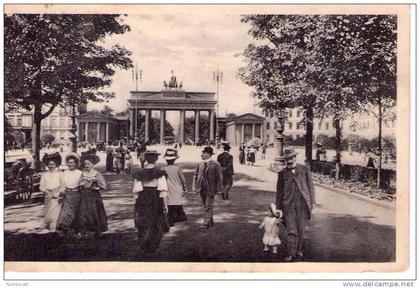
352	195
357	196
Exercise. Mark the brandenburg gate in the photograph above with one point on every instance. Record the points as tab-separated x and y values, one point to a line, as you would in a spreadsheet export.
171	98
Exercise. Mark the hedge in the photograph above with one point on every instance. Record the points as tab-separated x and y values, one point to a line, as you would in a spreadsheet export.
358	173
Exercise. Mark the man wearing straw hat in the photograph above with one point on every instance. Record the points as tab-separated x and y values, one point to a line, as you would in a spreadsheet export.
208	182
295	198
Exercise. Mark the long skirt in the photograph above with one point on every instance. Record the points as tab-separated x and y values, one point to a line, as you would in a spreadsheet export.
242	157
52	211
176	214
92	216
150	219
251	157
109	162
70	210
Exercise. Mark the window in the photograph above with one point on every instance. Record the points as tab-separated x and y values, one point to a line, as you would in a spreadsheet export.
271	114
290	124
268	125
19	121
275	125
290	113
333	124
53	121
298	114
319	125
327	125
62	122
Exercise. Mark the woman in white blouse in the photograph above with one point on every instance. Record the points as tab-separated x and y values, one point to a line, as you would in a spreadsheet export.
151	191
51	186
71	196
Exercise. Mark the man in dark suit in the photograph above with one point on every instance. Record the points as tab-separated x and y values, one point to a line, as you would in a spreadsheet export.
208	182
295	198
226	161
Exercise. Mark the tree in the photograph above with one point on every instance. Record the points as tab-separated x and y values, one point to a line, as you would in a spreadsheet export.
379	52
281	68
56	59
108	111
204	130
47	138
154	128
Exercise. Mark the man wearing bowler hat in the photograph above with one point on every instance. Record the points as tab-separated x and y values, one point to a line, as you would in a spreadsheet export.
226	162
295	198
208	182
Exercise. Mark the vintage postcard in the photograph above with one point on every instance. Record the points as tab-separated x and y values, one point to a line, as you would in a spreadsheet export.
206	138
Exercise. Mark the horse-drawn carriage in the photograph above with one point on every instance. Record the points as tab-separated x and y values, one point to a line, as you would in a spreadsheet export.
19	180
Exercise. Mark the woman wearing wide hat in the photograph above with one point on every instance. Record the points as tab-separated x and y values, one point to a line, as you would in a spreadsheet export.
92	216
51	186
151	191
177	187
71	197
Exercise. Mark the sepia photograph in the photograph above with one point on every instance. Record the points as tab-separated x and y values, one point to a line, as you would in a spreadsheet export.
206	138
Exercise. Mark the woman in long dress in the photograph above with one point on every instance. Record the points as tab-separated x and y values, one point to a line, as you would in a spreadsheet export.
150	190
109	158
177	187
242	154
51	186
71	196
92	216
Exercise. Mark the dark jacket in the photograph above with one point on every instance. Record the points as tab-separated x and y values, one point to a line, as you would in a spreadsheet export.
226	161
209	180
302	178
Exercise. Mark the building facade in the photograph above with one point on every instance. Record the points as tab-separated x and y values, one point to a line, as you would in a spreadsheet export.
243	128
362	124
93	128
294	125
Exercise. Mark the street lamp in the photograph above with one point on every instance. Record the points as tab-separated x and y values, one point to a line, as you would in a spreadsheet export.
137	76
73	129
278	161
218	79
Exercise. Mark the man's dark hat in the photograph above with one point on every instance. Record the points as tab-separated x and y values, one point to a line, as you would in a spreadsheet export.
208	149
56	157
226	146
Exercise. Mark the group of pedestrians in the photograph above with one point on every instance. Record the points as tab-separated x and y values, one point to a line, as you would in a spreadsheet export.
118	160
73	202
247	154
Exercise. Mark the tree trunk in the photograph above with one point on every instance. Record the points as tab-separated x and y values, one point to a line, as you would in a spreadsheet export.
309	133
378	185
36	135
337	146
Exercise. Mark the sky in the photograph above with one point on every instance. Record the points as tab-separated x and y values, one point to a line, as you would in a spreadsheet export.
193	45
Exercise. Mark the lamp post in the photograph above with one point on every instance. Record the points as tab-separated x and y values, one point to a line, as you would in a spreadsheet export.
218	79
278	163
137	76
73	129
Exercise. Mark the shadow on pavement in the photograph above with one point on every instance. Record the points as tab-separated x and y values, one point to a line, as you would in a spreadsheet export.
234	238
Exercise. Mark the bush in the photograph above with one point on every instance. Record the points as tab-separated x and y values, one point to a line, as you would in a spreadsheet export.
358	173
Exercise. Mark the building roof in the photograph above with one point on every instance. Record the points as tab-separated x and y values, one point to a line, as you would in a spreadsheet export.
95	116
248	118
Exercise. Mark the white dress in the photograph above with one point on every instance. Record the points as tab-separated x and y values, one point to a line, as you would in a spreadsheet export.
271	229
51	185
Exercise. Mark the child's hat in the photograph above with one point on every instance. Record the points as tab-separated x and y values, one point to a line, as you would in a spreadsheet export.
274	210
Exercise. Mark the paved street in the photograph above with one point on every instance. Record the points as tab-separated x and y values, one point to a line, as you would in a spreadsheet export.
343	229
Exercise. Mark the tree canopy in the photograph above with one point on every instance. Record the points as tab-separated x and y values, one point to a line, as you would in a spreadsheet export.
57	59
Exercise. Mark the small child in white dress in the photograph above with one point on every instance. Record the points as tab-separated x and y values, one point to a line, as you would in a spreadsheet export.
271	229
